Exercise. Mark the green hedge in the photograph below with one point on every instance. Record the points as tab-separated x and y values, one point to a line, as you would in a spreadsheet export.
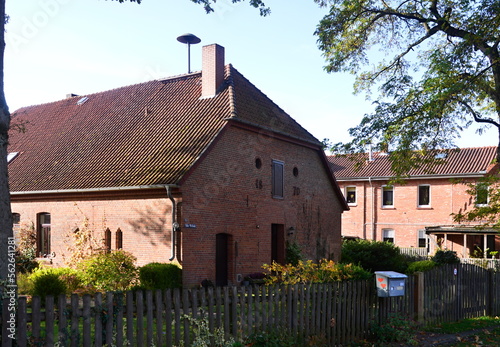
160	276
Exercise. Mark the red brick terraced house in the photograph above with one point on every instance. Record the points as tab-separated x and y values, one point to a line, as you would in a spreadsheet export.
201	168
419	212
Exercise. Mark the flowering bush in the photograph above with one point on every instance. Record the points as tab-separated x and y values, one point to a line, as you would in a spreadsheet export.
308	272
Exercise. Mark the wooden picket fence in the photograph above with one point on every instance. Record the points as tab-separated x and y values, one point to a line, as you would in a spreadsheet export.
335	313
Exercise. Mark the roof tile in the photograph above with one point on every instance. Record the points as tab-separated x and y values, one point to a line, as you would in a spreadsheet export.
145	134
466	161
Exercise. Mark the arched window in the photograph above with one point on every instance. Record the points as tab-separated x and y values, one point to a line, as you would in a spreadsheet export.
119	239
107	240
43	234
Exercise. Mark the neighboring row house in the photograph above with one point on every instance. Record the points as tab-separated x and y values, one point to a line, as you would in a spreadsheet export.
201	168
419	212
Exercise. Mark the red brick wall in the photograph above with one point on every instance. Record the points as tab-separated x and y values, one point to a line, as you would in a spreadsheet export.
228	194
145	222
368	218
225	193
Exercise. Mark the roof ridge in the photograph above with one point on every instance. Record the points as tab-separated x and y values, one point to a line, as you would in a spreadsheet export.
232	95
252	85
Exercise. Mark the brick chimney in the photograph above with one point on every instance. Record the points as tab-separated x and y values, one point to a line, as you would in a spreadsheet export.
212	70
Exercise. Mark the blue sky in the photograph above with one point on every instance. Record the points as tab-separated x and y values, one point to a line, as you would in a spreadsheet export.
57	47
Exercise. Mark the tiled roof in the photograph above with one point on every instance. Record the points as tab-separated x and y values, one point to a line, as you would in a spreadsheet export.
145	134
466	161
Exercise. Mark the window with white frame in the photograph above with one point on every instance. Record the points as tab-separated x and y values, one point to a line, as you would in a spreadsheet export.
43	234
424	195
350	195
387	196
422	238
388	235
482	194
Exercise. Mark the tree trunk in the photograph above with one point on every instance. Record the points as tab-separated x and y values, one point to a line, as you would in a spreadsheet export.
5	210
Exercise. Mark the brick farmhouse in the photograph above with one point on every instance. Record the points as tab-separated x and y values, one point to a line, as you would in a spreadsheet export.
419	212
200	168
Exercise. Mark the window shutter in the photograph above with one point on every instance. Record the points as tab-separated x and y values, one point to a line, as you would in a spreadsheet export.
277	179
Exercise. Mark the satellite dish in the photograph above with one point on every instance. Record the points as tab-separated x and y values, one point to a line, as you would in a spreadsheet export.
189	39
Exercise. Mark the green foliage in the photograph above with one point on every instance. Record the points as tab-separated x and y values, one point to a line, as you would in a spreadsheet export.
397	328
445	257
160	276
114	271
259	4
24	285
293	253
374	255
82	244
271	338
308	272
47	282
26	249
437	73
486	210
204	337
420	266
71	278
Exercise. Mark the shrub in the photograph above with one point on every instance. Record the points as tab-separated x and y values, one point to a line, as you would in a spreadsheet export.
160	276
445	257
308	272
71	278
373	255
48	283
114	271
397	328
293	253
24	285
26	249
271	338
82	243
25	262
422	265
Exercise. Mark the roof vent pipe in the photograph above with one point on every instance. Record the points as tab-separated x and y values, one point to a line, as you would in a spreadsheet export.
370	152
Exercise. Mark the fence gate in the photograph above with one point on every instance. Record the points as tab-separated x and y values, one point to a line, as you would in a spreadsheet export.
456	291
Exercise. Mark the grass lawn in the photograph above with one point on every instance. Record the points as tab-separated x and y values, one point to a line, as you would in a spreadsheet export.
485	331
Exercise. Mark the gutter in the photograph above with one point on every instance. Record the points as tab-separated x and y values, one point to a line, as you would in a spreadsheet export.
93	190
386	178
175	225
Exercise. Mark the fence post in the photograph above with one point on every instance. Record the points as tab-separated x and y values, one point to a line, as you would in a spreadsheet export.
491	296
419	297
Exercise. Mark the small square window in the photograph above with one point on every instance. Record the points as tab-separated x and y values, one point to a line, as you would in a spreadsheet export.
387	196
350	195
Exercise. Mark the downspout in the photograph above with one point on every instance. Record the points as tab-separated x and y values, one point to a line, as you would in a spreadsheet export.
372	208
175	225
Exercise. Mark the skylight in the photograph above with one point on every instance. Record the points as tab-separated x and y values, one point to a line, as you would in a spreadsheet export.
11	156
441	155
82	100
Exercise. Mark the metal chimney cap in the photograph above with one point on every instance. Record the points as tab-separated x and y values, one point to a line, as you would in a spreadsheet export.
189	39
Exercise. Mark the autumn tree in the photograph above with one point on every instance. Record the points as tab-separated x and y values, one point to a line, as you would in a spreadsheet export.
435	65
